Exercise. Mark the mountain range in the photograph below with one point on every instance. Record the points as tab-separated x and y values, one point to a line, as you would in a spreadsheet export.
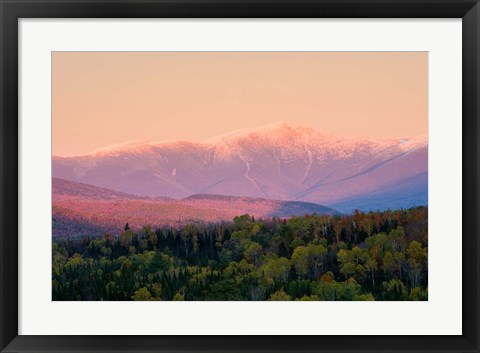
282	161
80	209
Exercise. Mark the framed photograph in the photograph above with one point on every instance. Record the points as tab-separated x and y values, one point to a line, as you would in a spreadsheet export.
239	176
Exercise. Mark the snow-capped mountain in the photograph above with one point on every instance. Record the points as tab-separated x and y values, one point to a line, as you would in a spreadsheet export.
281	161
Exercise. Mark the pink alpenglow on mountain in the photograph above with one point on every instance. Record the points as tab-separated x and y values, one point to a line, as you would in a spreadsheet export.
281	161
85	209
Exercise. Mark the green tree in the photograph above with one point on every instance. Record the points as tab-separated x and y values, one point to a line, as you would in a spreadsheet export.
417	261
178	297
394	290
300	260
280	295
253	252
142	294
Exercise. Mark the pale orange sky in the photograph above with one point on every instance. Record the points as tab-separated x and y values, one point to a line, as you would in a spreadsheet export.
103	98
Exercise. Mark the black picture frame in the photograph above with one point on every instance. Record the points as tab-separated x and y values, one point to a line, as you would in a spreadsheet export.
12	10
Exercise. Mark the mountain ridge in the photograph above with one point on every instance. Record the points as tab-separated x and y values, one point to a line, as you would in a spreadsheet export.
281	161
79	209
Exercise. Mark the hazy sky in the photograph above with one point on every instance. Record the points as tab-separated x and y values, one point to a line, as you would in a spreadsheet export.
102	98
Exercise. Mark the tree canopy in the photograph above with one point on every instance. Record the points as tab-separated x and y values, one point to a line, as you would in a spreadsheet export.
364	256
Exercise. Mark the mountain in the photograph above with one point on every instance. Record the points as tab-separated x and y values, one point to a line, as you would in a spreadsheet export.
85	209
281	161
67	190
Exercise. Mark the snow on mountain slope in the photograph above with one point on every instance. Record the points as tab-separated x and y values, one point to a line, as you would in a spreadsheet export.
283	161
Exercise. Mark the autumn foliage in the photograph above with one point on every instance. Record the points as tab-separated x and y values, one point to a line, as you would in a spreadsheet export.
364	256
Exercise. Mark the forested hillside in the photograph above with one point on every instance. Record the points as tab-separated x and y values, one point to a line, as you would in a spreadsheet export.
80	209
364	256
